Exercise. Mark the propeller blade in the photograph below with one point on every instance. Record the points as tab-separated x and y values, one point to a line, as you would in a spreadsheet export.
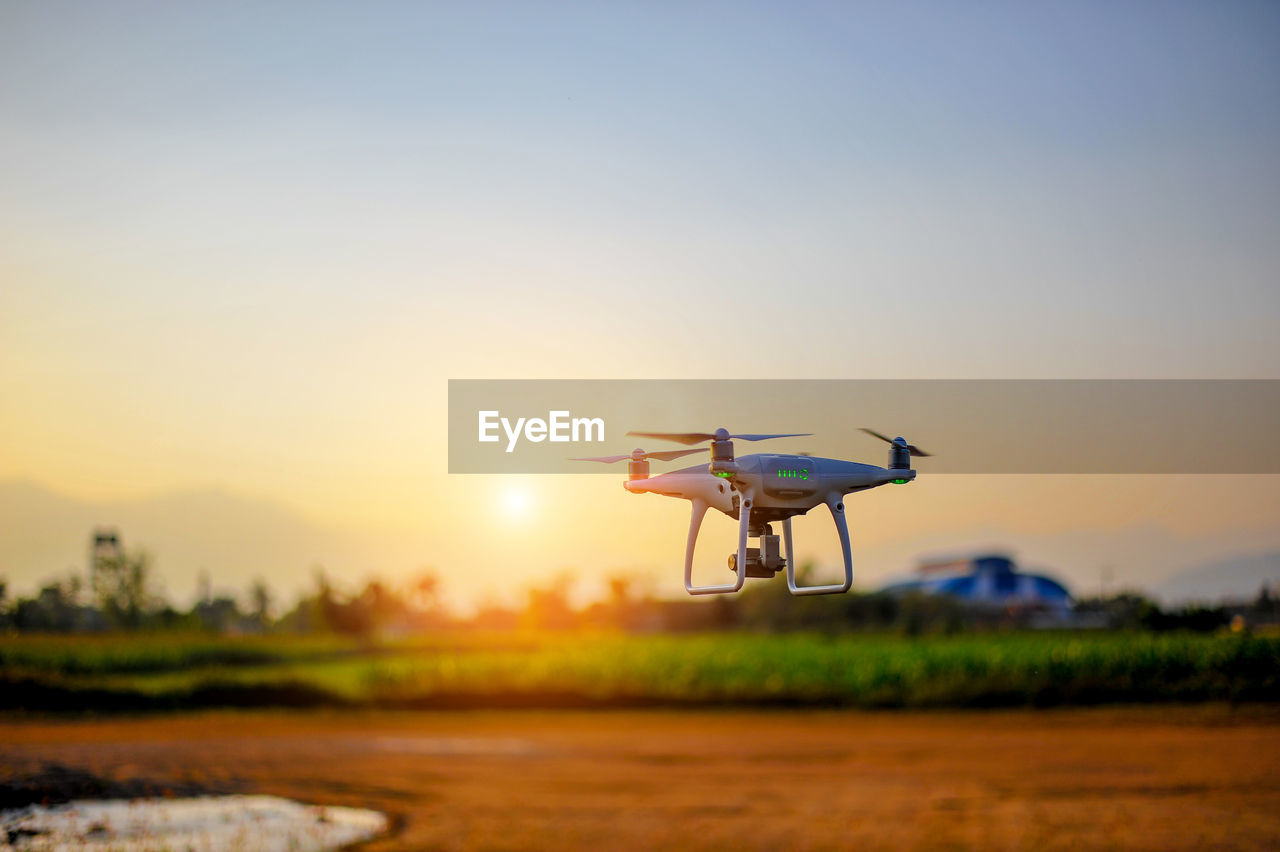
668	455
911	448
699	437
884	438
662	455
678	437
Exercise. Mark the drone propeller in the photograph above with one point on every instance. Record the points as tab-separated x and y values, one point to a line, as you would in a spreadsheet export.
641	455
718	435
901	442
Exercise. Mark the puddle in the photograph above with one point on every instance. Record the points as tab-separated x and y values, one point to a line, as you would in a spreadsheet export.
205	824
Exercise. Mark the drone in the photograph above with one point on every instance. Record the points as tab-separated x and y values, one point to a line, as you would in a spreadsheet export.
758	491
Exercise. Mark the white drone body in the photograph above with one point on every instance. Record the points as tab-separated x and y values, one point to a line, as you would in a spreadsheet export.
759	490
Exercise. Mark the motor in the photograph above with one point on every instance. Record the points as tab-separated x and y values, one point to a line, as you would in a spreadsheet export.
900	452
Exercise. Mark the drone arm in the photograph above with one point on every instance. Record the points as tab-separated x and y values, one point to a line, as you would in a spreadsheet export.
836	505
695	523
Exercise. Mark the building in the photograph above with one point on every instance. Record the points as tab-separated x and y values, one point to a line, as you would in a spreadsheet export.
991	579
104	544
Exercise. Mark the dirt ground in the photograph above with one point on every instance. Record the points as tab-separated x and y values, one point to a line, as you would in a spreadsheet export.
1147	778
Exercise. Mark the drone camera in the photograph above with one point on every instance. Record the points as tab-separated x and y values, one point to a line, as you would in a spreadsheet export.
763	561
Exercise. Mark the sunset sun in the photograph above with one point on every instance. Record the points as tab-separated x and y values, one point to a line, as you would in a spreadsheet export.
517	504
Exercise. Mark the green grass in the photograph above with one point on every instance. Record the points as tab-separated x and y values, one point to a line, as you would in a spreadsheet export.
142	653
1037	669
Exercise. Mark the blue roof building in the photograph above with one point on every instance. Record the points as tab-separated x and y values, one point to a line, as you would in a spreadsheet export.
991	579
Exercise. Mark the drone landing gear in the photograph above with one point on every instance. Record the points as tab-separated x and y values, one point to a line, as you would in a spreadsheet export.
764	561
740	566
842	527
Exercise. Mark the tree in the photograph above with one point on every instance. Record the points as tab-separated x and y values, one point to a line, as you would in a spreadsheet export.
548	607
261	599
121	587
426	591
54	608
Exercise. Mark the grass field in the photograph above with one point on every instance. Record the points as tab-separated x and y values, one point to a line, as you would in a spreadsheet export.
150	671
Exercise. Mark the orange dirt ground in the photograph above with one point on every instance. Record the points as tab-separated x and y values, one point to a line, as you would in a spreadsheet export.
1150	778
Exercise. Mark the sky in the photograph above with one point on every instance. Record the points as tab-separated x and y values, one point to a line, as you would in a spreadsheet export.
243	248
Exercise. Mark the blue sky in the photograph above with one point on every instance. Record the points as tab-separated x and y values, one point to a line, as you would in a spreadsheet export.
1069	174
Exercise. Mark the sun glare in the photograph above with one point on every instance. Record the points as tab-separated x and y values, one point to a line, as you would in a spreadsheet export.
516	502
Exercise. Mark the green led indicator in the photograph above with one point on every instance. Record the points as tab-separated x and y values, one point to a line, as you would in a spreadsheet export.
787	473
723	474
899	481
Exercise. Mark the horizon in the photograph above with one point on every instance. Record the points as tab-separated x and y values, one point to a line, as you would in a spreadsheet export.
357	558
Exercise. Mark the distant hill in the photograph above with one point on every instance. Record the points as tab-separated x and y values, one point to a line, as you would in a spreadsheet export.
1237	578
235	539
